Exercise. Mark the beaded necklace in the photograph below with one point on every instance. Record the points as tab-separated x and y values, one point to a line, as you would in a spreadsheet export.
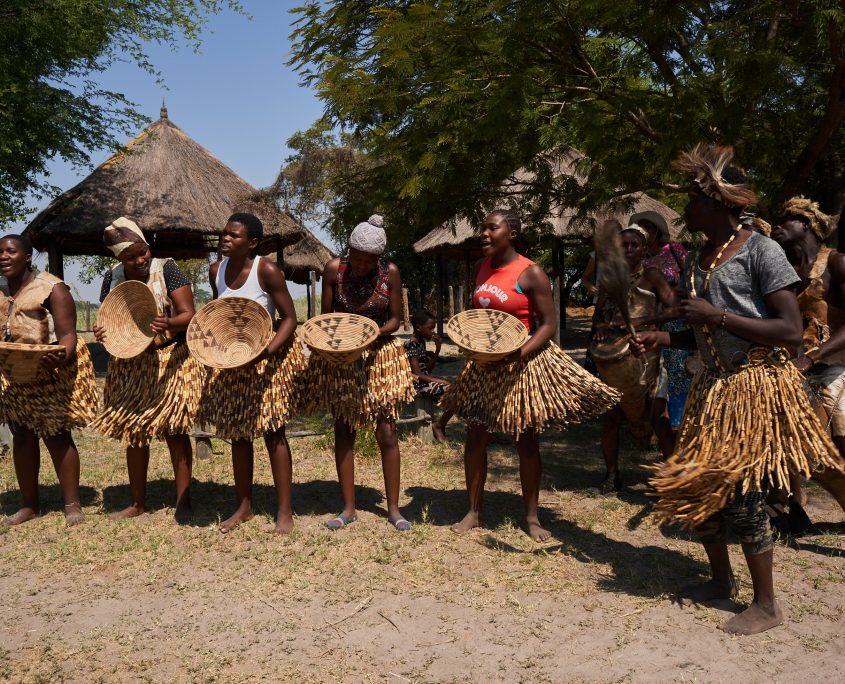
711	347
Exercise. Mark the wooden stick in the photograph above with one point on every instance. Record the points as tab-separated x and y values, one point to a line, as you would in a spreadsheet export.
405	310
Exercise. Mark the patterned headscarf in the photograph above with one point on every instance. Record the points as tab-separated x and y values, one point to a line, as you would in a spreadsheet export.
820	223
122	234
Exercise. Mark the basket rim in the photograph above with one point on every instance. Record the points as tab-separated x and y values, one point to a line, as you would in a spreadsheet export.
195	330
26	348
310	324
509	320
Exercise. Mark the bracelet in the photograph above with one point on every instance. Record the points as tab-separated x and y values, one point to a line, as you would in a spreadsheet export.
724	317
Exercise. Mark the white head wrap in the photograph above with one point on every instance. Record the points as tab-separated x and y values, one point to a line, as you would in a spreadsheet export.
369	237
639	230
122	233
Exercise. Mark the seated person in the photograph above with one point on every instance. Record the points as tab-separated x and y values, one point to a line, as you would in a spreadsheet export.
423	362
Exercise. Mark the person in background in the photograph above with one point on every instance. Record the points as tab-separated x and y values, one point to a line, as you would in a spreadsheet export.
423	362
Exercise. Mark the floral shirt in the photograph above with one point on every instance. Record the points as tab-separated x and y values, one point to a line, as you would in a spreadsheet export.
670	262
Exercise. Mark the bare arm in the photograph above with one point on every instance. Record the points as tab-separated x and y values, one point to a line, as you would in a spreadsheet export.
666	295
329	284
836	343
418	372
212	278
534	282
395	306
272	281
63	311
183	304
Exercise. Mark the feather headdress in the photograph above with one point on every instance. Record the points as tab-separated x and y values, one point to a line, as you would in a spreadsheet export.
712	173
820	223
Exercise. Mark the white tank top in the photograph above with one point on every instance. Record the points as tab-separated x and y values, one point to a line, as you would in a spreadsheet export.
251	289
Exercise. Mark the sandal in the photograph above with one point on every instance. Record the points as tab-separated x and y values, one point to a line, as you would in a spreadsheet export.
400	523
340	521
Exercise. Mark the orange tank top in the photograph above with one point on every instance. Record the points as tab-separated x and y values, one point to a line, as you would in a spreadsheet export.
497	288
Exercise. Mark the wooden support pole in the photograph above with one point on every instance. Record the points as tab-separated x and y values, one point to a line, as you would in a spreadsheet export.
312	294
451	301
87	316
441	281
55	263
461	305
406	313
557	285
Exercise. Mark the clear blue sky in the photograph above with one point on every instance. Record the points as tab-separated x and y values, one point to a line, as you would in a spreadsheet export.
236	97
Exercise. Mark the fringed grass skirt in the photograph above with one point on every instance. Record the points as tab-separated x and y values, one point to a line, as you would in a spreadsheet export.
59	399
746	429
363	393
152	395
255	399
548	389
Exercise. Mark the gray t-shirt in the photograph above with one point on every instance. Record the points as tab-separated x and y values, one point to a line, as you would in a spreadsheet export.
739	284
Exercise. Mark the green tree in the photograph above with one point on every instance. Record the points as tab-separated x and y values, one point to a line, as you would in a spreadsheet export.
448	98
50	103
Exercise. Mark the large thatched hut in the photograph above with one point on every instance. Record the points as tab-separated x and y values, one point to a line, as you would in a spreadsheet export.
307	256
172	187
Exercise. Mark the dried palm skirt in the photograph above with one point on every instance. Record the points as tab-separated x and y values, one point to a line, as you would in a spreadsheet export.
548	389
59	399
152	395
373	388
255	399
748	428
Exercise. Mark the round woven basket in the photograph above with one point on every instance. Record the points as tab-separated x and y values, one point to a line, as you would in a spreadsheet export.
486	335
19	363
126	314
340	338
229	332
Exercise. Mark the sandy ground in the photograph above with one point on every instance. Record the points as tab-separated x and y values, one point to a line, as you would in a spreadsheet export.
148	601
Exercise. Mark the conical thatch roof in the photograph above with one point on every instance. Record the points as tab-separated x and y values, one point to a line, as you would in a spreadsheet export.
172	187
459	237
309	254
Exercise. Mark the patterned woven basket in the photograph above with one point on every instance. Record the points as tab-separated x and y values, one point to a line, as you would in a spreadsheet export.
19	363
126	314
486	335
340	338
229	332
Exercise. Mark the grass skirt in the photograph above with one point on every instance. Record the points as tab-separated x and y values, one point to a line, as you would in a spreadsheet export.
372	389
255	399
548	389
152	395
59	399
746	429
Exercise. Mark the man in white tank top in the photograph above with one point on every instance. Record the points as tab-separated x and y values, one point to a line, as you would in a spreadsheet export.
242	273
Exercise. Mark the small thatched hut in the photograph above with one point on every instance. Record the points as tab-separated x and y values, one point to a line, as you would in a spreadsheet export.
306	256
458	240
172	187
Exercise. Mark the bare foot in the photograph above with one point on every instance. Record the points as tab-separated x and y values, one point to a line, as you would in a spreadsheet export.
439	433
709	591
131	511
284	524
754	619
183	513
535	531
471	520
240	516
23	515
73	514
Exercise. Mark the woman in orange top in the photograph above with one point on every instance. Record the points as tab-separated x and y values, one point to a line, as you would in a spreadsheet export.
485	394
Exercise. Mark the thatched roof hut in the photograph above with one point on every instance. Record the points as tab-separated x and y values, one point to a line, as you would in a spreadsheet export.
309	254
458	239
172	187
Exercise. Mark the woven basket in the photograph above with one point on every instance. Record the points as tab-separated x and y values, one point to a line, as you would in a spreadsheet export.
340	338
126	314
19	363
229	332
486	335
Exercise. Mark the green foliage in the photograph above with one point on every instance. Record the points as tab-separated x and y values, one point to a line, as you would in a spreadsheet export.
447	99
51	104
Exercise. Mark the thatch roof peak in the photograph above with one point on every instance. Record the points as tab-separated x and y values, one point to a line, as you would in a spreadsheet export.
171	186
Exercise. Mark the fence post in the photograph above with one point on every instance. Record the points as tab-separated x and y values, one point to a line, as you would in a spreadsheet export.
87	316
406	314
460	298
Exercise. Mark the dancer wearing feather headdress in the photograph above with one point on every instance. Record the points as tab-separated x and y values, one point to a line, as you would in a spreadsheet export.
748	420
538	386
